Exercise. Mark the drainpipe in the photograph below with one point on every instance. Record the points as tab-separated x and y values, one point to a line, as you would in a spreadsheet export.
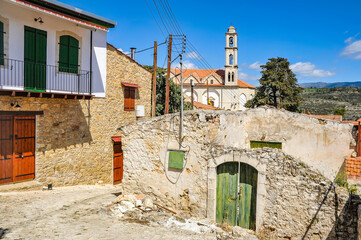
91	62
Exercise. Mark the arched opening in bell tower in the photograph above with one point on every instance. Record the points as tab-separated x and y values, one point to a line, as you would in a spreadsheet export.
231	42
231	59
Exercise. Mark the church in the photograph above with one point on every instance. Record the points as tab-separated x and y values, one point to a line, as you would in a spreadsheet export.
220	88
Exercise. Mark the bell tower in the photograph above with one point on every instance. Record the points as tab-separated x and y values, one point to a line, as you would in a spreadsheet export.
231	67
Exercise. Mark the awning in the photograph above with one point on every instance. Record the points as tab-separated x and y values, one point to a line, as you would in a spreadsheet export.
130	85
117	139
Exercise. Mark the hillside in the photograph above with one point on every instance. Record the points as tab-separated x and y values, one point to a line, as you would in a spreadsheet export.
330	85
325	100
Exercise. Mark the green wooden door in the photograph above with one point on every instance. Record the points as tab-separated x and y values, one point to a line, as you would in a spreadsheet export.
227	184
236	194
248	177
35	59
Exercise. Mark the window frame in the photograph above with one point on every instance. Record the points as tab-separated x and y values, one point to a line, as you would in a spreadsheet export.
2	43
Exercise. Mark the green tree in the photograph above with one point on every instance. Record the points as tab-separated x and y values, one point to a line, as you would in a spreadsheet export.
278	85
339	111
174	94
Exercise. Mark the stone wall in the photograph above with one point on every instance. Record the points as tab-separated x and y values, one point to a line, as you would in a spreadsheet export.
73	137
291	188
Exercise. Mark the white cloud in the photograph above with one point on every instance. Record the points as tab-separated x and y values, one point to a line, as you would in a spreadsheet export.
193	55
245	76
349	40
308	69
127	53
352	50
186	65
255	66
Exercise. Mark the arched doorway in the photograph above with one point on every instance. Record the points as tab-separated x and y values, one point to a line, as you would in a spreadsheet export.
236	194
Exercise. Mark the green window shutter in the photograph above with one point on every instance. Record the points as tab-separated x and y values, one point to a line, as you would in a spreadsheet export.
2	43
64	54
262	144
68	54
73	54
176	159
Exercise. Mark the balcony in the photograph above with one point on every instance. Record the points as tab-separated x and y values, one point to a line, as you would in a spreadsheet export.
27	79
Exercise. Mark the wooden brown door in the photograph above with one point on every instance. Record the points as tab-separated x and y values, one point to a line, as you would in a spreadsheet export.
118	163
17	148
24	148
6	149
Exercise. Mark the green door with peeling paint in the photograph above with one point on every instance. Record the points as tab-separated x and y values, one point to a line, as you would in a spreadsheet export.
236	194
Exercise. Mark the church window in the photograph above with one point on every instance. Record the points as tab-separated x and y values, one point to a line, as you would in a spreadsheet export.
231	42
232	77
229	77
231	59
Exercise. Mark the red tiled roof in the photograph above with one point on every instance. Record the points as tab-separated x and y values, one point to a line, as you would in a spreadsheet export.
117	139
202	73
130	85
199	105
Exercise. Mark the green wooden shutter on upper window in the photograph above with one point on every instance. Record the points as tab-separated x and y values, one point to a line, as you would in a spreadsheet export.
73	55
2	43
64	54
68	54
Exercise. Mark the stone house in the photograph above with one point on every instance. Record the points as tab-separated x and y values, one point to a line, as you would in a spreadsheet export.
266	169
225	90
64	92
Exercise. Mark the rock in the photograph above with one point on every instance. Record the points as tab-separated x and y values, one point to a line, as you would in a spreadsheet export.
126	198
148	203
239	232
129	205
123	209
138	203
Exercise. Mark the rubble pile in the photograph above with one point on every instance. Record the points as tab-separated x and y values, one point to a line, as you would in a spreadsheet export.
143	210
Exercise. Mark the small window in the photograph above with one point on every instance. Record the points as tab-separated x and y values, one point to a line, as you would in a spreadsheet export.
229	77
262	144
212	81
129	99
232	77
2	52
68	54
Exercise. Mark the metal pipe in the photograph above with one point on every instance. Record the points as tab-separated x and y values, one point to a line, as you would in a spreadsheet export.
132	53
91	62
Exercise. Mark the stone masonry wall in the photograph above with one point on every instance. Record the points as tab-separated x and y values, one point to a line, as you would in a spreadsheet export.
290	201
73	137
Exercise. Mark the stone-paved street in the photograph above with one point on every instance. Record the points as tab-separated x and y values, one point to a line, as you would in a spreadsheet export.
75	213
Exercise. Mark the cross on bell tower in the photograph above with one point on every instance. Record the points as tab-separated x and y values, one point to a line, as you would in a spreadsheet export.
231	67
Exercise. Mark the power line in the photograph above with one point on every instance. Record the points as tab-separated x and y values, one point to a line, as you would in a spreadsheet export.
155	18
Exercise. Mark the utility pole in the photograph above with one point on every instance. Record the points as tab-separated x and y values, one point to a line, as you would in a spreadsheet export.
181	70
166	108
154	93
192	99
207	93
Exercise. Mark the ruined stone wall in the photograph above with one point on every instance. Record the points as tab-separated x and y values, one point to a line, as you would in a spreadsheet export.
290	191
73	137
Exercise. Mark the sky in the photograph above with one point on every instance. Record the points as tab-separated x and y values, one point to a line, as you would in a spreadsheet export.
321	39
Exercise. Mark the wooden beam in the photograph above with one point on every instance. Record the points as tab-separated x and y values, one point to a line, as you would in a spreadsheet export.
154	90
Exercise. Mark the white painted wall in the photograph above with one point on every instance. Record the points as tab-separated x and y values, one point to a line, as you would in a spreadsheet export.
19	16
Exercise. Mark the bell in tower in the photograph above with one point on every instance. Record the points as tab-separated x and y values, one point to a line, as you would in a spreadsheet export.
231	67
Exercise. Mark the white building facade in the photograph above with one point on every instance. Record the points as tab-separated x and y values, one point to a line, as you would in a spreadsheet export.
51	47
225	90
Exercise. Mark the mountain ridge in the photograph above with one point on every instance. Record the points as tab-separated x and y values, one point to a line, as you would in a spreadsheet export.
331	85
